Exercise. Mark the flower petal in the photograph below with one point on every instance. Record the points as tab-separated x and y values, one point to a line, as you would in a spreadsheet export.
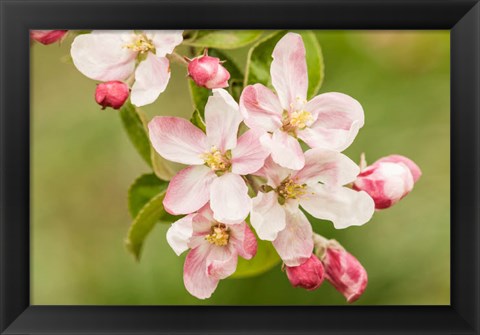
267	216
261	108
151	79
328	167
221	262
289	70
102	55
229	199
177	140
179	234
189	190
414	169
222	118
164	40
285	150
195	276
273	172
338	120
249	155
294	244
243	240
343	206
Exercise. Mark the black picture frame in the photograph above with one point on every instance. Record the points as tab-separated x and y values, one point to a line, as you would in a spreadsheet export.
461	17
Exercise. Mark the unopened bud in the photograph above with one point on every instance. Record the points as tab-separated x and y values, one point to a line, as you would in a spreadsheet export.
208	72
308	275
47	36
112	94
388	180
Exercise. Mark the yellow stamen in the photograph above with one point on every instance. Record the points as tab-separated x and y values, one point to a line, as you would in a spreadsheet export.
219	235
141	44
216	160
300	119
289	189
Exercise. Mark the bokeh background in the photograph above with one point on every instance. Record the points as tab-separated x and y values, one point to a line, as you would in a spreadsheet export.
83	164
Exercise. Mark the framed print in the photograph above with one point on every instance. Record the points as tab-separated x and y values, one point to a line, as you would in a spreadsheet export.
237	167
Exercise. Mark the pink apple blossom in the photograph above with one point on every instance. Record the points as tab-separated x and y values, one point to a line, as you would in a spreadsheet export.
208	72
217	160
112	55
47	37
308	275
345	272
318	189
388	180
112	94
214	249
329	120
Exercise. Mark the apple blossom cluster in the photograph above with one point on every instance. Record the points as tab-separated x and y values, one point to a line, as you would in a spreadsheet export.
259	165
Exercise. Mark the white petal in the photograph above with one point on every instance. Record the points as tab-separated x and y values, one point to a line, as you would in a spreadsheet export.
273	172
294	244
222	118
102	55
164	40
151	79
343	206
229	199
179	234
285	150
328	167
267	216
249	155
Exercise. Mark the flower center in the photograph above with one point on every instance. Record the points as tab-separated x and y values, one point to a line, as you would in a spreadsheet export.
141	44
300	119
216	160
289	189
218	235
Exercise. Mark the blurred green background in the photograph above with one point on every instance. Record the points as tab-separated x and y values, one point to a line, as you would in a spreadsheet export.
83	164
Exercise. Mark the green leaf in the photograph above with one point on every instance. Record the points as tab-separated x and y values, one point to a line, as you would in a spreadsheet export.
199	97
197	120
164	169
265	259
133	122
260	58
143	189
224	39
143	224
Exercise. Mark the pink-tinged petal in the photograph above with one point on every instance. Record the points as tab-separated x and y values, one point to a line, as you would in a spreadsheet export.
243	240
197	282
177	140
249	155
151	79
308	275
222	119
189	190
327	166
267	216
345	273
179	234
343	206
273	172
102	55
414	169
338	117
220	80
285	150
164	40
261	108
229	199
47	37
289	70
294	244
221	262
386	182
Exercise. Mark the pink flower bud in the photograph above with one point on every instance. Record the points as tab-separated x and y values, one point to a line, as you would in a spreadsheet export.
112	94
308	275
47	36
345	273
388	180
208	72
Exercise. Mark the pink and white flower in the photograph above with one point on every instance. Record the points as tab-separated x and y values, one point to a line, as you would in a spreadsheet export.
329	120
217	160
388	180
214	249
112	55
318	189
